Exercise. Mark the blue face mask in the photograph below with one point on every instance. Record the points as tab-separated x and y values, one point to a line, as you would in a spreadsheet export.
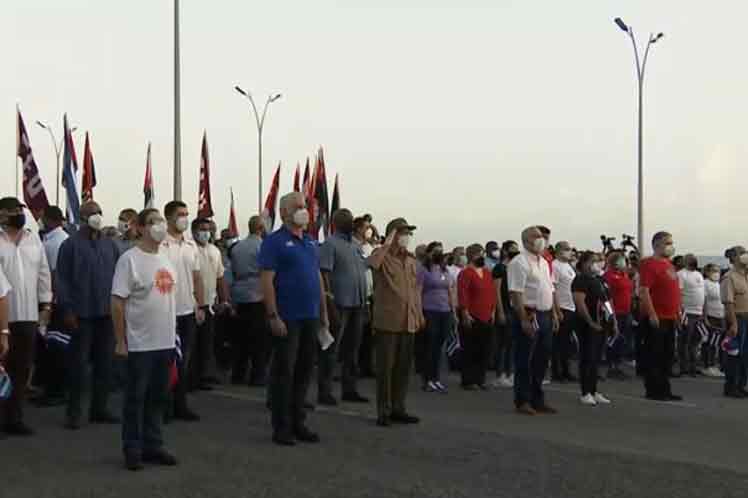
202	237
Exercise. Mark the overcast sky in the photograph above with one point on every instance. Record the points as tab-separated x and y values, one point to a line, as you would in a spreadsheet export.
470	118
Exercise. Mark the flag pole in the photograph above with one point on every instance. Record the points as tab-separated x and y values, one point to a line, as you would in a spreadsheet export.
18	144
177	110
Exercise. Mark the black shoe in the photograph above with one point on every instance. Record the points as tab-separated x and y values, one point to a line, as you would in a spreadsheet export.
384	421
73	423
304	435
187	415
18	429
734	393
133	462
283	438
483	387
570	378
160	457
204	386
674	397
355	398
327	400
309	406
560	380
656	397
404	418
104	418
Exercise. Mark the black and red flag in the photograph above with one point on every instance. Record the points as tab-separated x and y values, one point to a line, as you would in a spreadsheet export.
34	195
233	227
205	204
322	205
297	179
148	191
89	173
268	214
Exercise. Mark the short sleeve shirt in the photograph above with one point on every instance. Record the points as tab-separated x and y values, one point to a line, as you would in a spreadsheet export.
295	262
397	303
52	242
692	291
595	293
211	269
499	273
4	284
734	290
184	258
563	275
658	275
344	260
530	275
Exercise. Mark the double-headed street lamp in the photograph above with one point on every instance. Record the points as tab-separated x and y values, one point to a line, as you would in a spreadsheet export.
640	67
58	151
260	120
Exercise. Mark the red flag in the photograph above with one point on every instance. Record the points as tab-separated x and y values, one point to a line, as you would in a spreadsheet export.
322	206
205	205
335	203
307	180
34	195
233	228
296	179
89	173
268	214
148	191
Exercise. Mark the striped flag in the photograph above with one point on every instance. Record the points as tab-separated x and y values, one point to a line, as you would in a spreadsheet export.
233	228
69	175
268	214
89	173
335	203
322	205
297	179
33	190
148	191
205	205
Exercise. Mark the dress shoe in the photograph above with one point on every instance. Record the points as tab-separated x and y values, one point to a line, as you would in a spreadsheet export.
160	457
309	406
384	421
327	400
204	386
546	410
656	397
526	409
133	462
734	393
355	398
304	435
18	429
186	415
404	418
282	438
674	397
104	418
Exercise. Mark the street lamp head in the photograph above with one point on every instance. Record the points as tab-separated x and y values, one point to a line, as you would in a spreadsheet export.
656	38
275	97
72	130
619	22
238	89
42	125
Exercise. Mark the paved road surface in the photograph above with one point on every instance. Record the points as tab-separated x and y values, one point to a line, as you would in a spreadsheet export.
470	444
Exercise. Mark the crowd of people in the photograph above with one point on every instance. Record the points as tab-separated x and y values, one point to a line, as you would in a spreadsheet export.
159	307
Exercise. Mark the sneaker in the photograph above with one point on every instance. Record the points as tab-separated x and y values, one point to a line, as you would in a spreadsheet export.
588	400
506	382
441	387
599	398
430	387
546	382
499	381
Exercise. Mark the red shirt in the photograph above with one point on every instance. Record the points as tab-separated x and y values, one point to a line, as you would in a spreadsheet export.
621	289
548	257
477	294
658	275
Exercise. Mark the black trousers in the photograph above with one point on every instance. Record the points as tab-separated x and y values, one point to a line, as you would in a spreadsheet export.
290	373
477	345
18	365
590	345
251	340
203	357
92	343
658	351
186	329
346	346
561	348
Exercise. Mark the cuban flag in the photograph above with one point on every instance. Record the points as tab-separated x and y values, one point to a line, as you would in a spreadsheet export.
69	175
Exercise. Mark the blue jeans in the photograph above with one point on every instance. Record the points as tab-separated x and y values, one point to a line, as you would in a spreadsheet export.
93	342
438	327
531	360
737	366
145	400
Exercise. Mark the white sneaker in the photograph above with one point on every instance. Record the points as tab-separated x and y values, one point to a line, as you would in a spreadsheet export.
546	382
508	382
498	382
716	372
601	399
588	400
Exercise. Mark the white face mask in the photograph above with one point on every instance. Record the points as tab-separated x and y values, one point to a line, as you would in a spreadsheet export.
743	259
539	245
369	233
182	223
714	277
496	254
95	222
157	231
404	240
669	251
463	261
123	226
202	237
597	268
565	255
620	264
301	218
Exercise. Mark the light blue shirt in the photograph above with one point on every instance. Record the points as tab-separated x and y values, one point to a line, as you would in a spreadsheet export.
246	287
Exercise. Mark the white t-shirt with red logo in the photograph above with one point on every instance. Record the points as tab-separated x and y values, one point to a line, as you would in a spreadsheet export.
148	282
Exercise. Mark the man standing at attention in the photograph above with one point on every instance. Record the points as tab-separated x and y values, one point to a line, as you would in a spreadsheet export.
83	279
144	315
398	315
344	271
190	296
531	291
660	313
25	265
734	292
693	297
563	275
293	290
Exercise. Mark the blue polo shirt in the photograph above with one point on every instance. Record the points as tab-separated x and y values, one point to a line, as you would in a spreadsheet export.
295	262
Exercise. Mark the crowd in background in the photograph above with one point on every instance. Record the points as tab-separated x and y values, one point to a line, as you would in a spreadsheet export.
161	306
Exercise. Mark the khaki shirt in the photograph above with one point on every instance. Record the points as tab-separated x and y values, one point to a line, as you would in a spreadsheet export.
734	290
397	302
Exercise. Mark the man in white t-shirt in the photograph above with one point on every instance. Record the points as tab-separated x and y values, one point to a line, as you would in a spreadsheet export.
563	275
144	317
190	296
691	283
216	300
531	291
